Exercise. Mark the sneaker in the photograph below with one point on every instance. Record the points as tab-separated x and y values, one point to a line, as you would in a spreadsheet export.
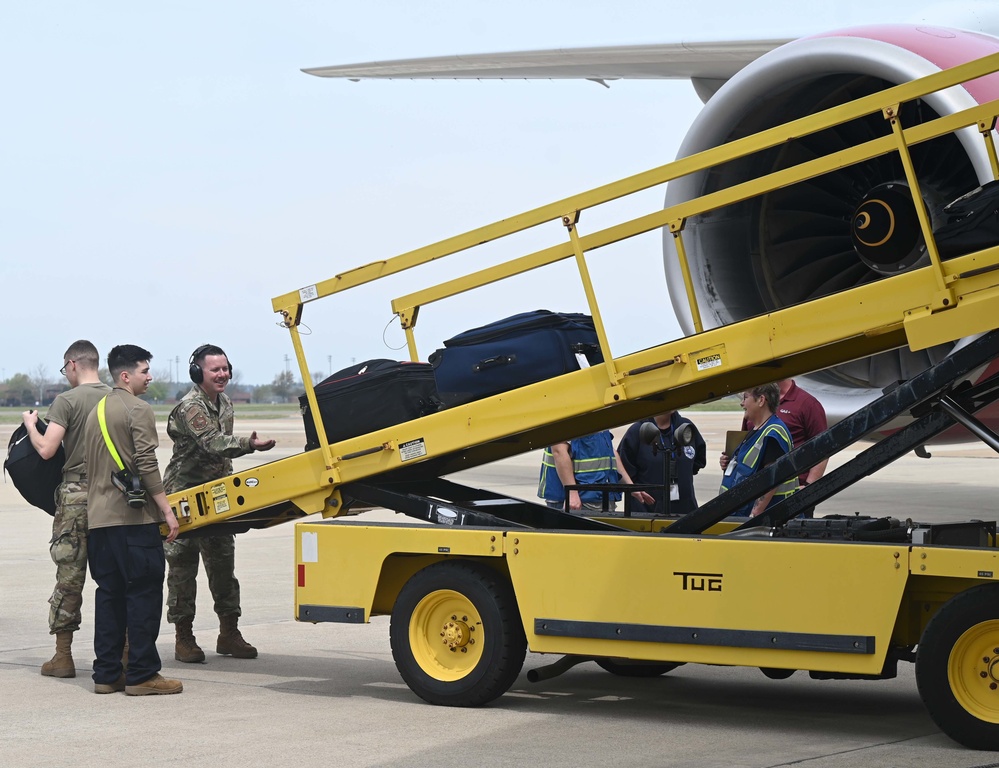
117	685
157	684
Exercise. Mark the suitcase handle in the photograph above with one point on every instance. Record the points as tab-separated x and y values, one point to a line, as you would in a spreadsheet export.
492	362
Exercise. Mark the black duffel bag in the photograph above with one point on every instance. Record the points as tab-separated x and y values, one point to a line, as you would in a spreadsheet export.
35	478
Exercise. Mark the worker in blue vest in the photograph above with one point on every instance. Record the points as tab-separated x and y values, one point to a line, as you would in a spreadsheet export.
764	445
585	460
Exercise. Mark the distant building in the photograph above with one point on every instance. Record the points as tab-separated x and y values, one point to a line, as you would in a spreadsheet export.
240	395
52	391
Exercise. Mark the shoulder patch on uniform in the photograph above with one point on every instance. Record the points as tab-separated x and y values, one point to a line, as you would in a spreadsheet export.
196	418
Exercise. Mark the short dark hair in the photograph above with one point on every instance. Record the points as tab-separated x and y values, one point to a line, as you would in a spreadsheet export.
126	357
770	392
84	353
199	355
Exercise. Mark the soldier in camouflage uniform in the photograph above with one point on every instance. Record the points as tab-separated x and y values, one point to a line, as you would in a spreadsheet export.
200	426
68	547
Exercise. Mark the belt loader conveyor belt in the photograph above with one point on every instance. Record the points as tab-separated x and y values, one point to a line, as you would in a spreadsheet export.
444	502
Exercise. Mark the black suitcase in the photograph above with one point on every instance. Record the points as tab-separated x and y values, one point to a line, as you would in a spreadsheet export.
513	352
972	222
370	396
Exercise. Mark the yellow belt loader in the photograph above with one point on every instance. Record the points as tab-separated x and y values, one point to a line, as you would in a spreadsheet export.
491	577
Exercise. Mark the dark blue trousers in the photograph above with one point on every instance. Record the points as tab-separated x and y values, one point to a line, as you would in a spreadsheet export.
127	565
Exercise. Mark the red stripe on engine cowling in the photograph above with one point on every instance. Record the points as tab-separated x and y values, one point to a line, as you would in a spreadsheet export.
943	47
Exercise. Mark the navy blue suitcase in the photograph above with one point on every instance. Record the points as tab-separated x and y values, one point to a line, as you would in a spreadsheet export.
368	396
513	352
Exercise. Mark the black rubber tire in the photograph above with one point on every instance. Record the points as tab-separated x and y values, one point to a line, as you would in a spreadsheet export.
960	645
492	609
774	673
628	668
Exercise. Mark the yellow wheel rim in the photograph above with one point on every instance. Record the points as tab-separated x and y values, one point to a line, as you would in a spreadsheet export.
973	671
445	635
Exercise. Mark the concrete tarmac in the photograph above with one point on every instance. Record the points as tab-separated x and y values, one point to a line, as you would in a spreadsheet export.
330	694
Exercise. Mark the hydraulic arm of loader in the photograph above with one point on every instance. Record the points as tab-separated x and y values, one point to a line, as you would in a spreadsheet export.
940	302
944	411
908	395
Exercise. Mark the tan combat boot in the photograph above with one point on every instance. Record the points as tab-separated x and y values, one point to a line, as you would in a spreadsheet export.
156	685
186	648
230	640
61	665
115	687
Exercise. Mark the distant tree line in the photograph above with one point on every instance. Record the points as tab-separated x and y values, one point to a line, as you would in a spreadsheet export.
39	388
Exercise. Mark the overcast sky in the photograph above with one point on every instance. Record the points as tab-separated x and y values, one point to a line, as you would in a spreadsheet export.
168	170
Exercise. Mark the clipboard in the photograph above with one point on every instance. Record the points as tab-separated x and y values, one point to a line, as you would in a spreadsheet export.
733	439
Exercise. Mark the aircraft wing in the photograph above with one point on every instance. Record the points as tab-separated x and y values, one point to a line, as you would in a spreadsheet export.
702	61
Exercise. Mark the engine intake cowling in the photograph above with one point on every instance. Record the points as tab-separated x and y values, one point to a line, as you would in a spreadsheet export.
845	228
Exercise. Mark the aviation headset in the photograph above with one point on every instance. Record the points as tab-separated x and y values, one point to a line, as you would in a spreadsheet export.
198	375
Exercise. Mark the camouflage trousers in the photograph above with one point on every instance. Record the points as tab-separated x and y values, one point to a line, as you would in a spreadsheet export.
68	548
219	556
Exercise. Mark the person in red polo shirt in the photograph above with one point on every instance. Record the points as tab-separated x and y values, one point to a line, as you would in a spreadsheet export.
805	418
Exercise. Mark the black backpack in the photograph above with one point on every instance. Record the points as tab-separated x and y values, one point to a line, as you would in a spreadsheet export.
34	477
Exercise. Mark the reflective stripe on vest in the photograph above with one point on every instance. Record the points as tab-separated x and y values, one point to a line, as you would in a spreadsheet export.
745	462
592	463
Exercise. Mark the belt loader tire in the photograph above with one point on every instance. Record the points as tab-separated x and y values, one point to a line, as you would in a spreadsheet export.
456	634
957	667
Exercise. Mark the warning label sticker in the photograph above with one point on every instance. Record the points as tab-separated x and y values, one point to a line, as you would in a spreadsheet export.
413	449
708	361
220	499
308	293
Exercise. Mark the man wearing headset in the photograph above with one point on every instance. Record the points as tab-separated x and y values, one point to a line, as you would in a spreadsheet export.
200	426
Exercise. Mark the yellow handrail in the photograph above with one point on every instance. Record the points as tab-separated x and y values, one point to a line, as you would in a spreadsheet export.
899	139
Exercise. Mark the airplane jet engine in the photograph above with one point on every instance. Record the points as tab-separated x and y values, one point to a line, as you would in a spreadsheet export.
814	238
